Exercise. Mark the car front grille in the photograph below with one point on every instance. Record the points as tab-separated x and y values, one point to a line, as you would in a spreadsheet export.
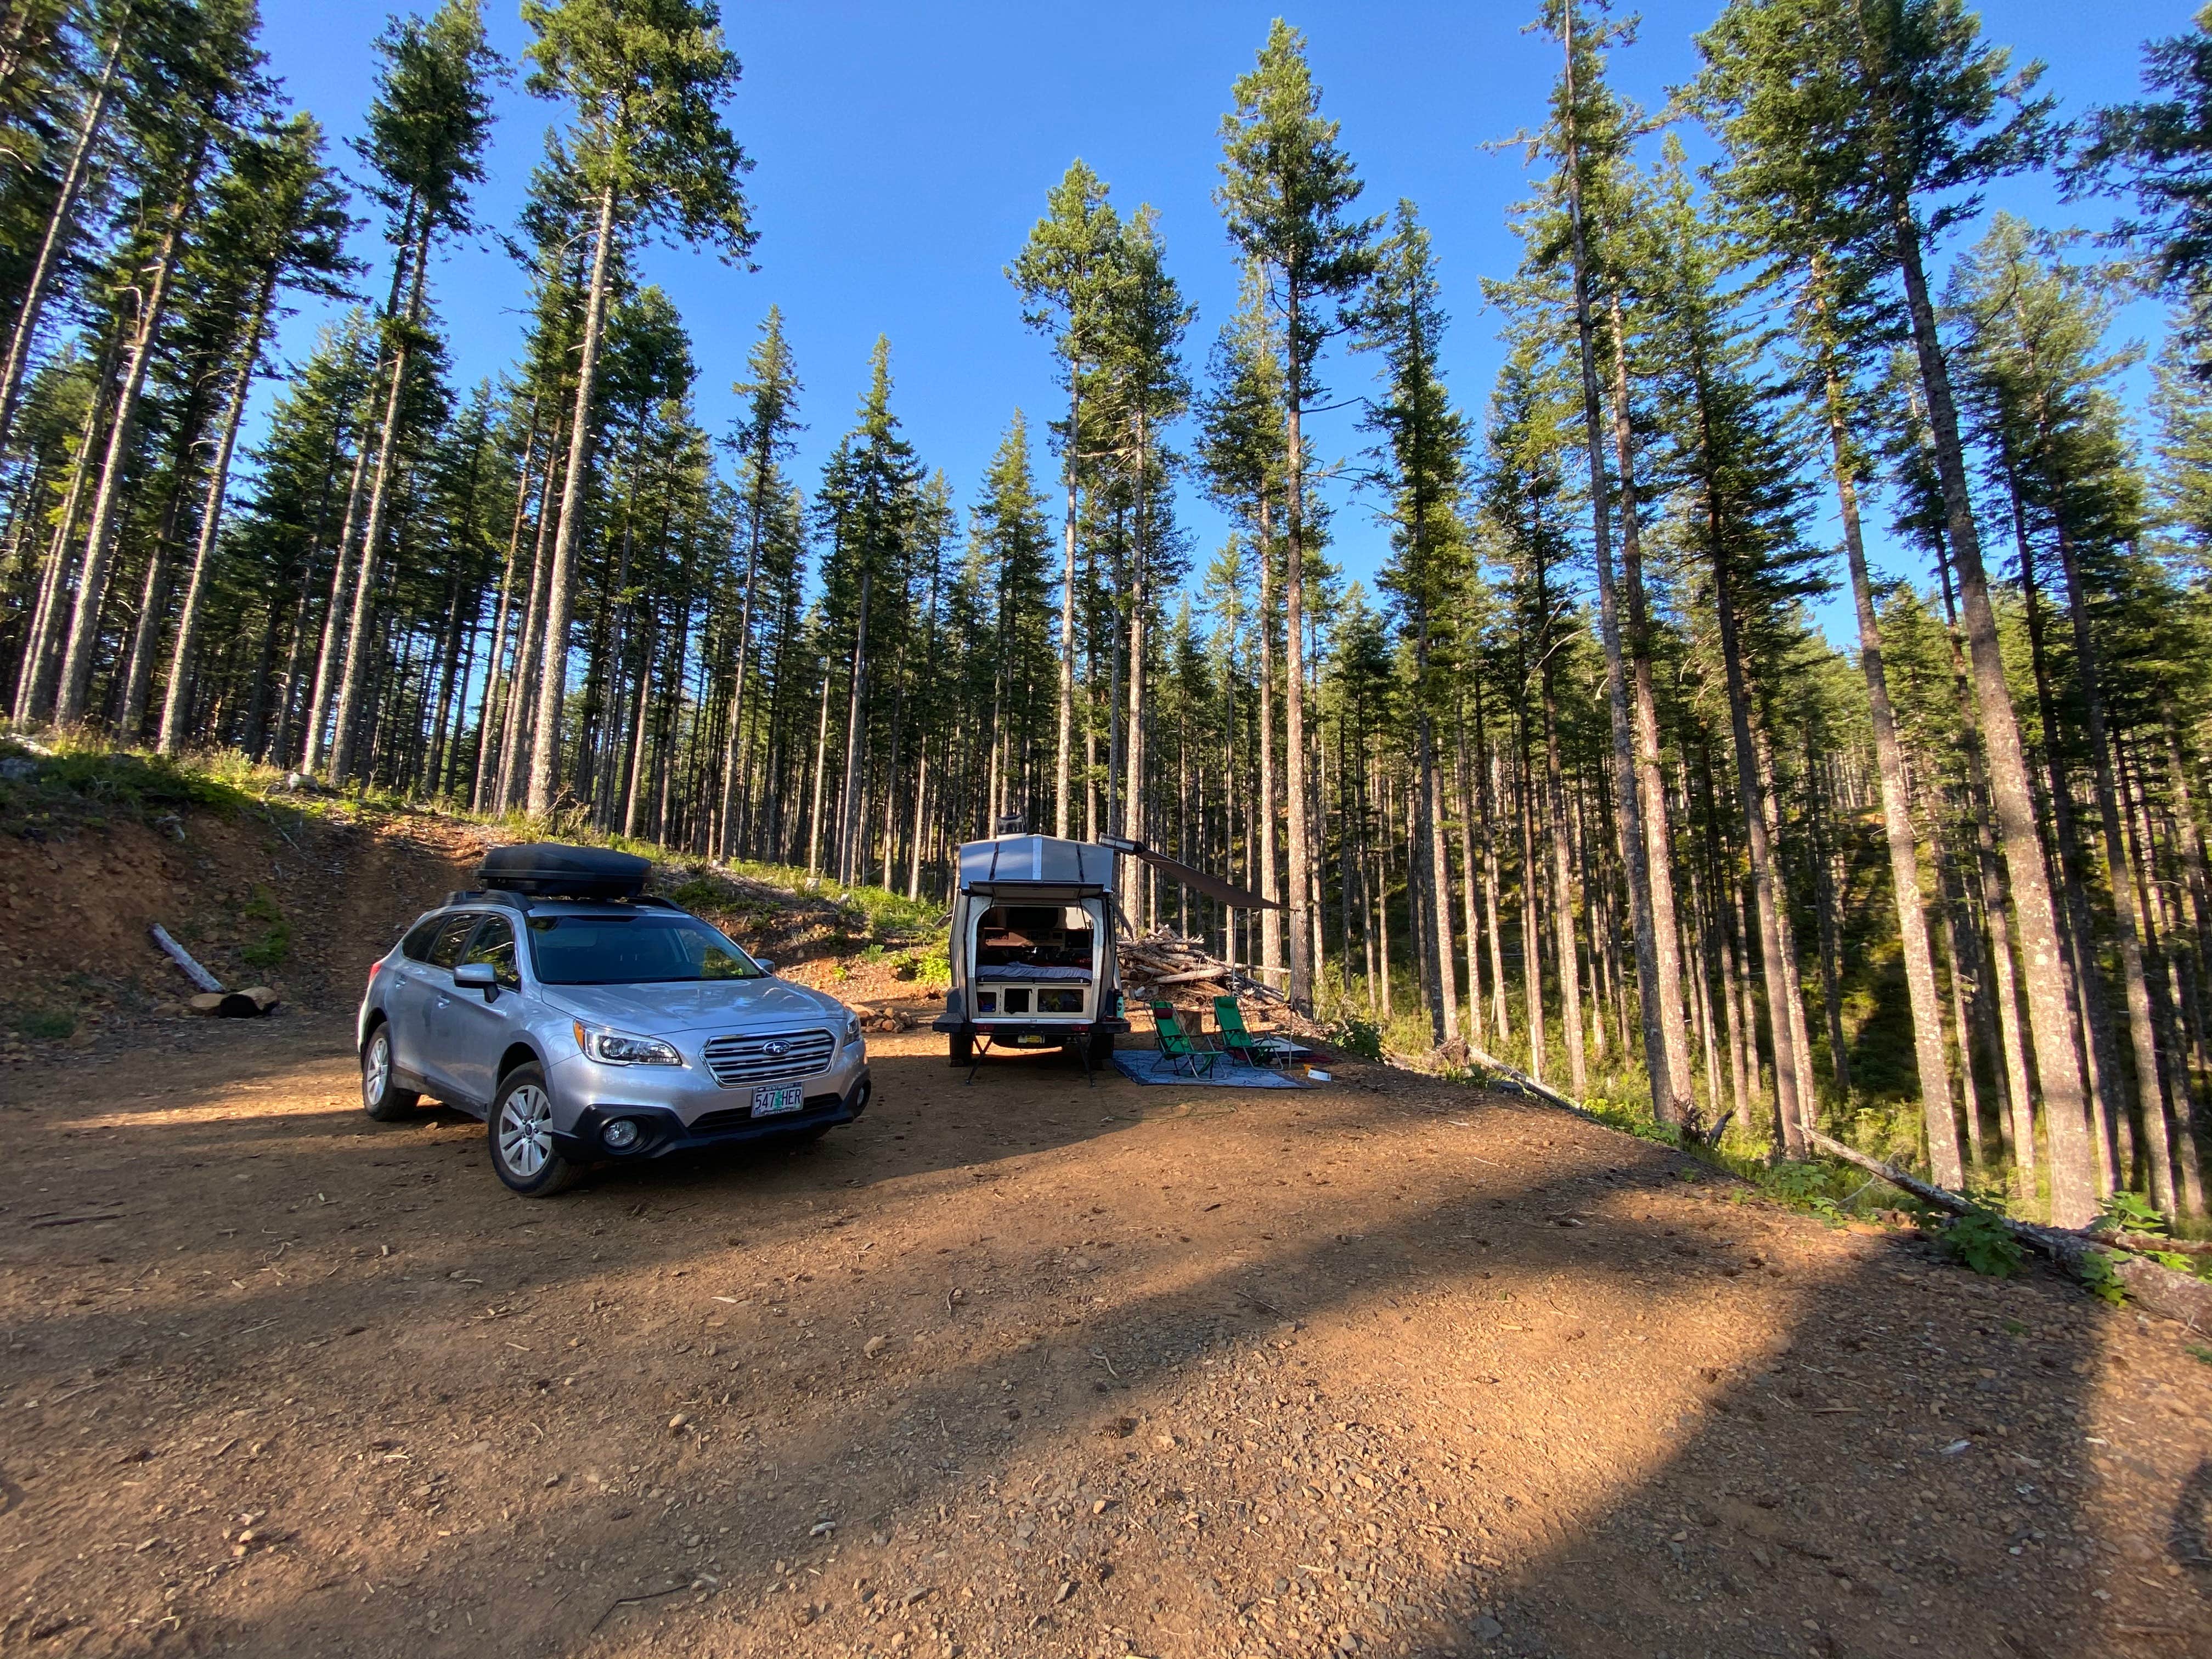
741	1117
768	1057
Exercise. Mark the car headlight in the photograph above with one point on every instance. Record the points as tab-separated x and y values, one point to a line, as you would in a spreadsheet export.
852	1030
621	1048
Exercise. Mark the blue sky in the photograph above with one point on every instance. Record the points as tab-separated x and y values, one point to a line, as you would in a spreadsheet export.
903	150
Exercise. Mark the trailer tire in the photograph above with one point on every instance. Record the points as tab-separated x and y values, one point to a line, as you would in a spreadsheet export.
1101	1051
961	1049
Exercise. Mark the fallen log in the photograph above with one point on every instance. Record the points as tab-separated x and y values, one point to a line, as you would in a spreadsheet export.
249	1004
183	958
2146	1243
1527	1085
2153	1287
1214	972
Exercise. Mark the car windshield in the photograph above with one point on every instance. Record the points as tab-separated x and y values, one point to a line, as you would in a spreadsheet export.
647	947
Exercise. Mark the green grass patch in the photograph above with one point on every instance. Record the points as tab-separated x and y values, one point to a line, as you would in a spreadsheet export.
44	1024
74	784
273	944
930	967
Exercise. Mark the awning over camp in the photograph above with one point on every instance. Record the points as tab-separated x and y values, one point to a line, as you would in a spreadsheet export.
1241	898
1036	867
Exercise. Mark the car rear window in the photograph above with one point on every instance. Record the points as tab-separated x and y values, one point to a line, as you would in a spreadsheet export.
416	947
645	948
452	933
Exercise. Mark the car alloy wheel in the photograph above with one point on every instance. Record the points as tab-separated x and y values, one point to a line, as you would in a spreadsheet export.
526	1131
376	1075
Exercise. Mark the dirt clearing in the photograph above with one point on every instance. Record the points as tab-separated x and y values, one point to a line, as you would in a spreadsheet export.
1030	1368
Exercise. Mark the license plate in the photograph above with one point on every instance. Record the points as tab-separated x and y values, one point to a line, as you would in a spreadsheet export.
1031	1040
769	1102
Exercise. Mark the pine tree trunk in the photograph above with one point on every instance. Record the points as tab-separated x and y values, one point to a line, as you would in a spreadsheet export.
1563	895
634	773
922	791
1469	881
1799	1035
107	502
137	666
335	623
2193	963
1435	881
1766	889
1532	961
2149	1099
2004	988
1826	857
1383	903
1271	919
1062	777
849	812
1665	989
2073	1180
821	766
522	678
1486	772
1136	821
1897	828
183	654
491	704
2077	932
41	664
1659	1051
2007	1043
553	670
1735	1003
1294	673
1697	948
53	245
372	536
756	525
2141	850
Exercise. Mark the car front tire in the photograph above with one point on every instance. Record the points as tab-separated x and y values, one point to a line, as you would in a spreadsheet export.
381	1097
520	1129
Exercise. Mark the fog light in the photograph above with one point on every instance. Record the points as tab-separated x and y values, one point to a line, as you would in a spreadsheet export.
621	1134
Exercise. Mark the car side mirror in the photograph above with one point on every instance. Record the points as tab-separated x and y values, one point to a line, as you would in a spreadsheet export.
764	964
477	976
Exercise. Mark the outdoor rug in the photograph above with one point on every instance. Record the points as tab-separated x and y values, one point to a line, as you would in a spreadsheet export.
1148	1066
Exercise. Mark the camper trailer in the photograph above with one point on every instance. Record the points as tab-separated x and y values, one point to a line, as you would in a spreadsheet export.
1033	962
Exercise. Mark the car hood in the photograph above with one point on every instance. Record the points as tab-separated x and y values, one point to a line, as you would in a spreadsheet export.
717	1005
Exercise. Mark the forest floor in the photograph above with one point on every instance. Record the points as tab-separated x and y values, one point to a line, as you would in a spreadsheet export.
1387	1366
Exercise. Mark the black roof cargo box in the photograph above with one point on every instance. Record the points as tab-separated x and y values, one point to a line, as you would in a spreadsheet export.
549	870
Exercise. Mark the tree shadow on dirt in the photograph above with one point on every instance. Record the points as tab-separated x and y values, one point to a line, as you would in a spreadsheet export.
1487	1471
423	1187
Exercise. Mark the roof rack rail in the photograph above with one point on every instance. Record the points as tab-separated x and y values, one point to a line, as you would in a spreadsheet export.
500	896
508	898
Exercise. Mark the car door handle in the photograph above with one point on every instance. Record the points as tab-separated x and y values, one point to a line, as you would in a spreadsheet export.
444	1001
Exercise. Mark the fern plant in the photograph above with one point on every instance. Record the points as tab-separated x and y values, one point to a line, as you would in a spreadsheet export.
1980	1240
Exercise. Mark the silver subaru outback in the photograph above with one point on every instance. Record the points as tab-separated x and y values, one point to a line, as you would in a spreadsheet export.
585	1022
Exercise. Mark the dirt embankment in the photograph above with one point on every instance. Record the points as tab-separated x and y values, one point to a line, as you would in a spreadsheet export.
298	901
303	901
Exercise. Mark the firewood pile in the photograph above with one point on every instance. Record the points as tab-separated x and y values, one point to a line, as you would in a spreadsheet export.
1165	967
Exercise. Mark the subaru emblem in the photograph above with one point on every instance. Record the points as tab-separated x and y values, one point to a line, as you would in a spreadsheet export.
777	1048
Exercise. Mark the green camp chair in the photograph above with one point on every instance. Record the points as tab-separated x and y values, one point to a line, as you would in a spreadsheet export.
1178	1048
1229	1015
1235	1035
